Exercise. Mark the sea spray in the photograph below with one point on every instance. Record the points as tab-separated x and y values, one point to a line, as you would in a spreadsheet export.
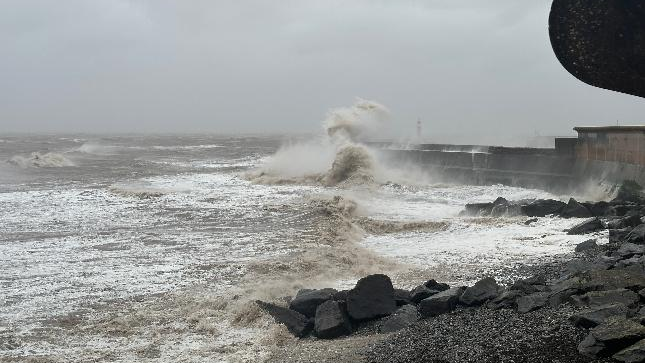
41	160
336	158
362	120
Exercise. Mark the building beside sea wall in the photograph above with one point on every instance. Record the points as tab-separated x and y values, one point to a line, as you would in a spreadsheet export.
621	144
599	155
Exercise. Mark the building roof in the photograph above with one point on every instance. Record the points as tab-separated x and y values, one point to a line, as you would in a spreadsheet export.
632	128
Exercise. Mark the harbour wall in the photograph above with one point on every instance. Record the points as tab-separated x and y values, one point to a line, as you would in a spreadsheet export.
558	170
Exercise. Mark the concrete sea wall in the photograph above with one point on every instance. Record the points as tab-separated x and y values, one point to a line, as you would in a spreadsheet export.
556	170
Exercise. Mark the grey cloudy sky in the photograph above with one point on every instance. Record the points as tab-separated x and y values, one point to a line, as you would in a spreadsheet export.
463	66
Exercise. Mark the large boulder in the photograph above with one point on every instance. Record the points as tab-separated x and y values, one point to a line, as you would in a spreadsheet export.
637	235
402	297
307	301
542	208
599	209
588	226
636	261
598	315
438	286
573	209
478	209
631	279
532	302
600	298
440	303
630	221
402	318
331	321
627	250
371	298
296	323
587	245
506	300
619	235
610	337
481	292
632	354
530	285
421	292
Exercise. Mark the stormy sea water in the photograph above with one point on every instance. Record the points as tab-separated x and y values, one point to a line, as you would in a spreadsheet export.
153	248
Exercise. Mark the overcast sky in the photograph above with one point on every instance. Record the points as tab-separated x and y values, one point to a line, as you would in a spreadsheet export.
463	66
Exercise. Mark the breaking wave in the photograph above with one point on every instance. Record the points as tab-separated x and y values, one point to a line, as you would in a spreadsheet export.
353	164
97	149
137	191
339	158
40	160
374	226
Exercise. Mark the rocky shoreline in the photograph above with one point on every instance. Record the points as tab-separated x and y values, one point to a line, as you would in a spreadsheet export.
587	309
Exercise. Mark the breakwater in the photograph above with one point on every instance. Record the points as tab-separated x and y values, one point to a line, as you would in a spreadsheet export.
557	169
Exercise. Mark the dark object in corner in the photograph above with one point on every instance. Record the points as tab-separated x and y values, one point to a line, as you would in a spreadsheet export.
601	42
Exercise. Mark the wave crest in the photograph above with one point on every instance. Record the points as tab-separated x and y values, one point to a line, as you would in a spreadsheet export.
374	226
40	160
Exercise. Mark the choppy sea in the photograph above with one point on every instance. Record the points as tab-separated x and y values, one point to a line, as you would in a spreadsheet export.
153	248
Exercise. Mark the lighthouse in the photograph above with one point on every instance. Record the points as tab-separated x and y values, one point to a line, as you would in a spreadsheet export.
419	130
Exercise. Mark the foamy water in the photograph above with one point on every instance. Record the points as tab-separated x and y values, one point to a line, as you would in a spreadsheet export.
150	248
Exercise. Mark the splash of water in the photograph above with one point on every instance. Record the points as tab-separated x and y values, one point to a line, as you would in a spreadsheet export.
339	157
40	160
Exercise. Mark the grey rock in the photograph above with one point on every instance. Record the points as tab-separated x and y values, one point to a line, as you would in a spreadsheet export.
434	285
637	235
506	300
631	279
341	295
631	221
636	260
483	290
614	335
532	302
619	235
600	298
307	301
402	318
575	210
331	321
588	226
479	209
586	245
372	297
632	354
599	209
598	315
421	292
628	249
441	303
558	298
296	323
530	220
542	208
590	347
402	297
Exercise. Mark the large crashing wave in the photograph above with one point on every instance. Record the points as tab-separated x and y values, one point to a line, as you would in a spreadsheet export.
41	160
338	157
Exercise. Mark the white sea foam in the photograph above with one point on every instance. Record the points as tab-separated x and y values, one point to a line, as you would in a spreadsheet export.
186	147
94	148
166	267
41	160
